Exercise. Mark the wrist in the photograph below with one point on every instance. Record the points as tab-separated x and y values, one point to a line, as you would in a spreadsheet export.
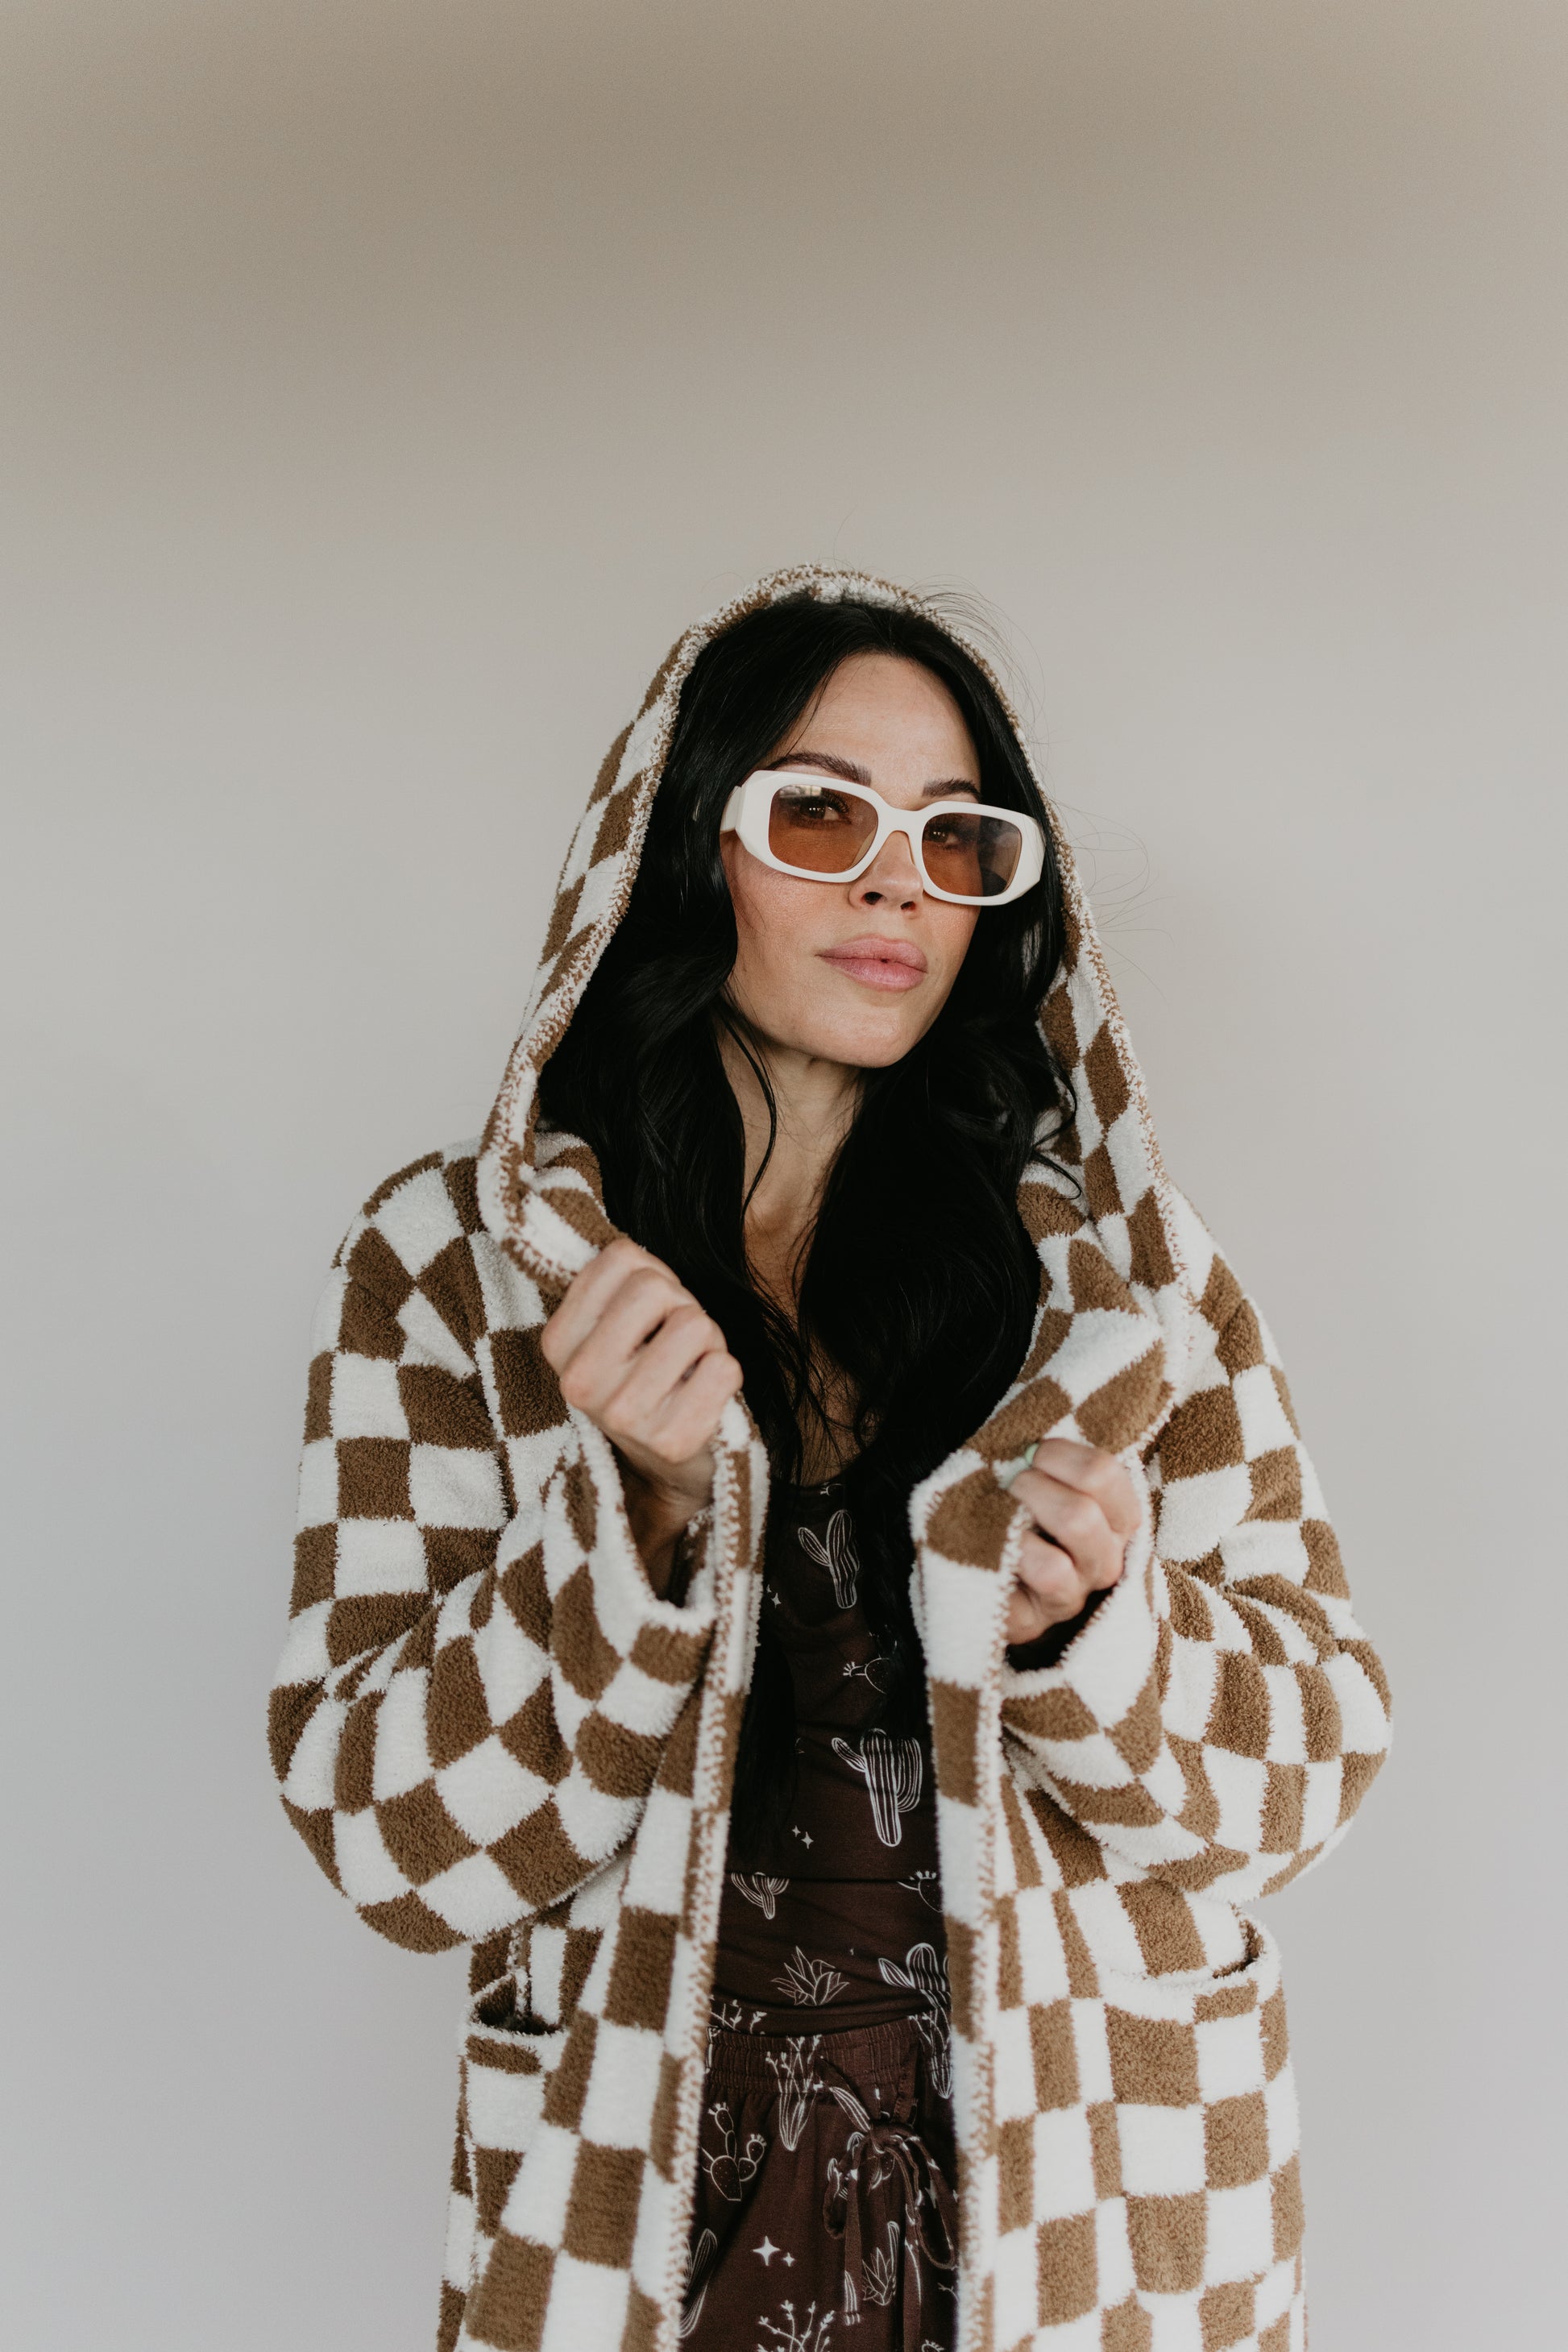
660	1517
662	1508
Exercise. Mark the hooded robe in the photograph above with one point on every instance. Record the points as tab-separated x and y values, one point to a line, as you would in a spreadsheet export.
491	1732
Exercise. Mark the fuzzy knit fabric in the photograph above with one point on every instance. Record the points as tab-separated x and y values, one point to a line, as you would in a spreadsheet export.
492	1733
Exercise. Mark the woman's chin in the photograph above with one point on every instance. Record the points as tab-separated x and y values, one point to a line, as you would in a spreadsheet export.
861	1045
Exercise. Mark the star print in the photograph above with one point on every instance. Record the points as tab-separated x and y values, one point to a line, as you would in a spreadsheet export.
767	2251
804	1836
789	2261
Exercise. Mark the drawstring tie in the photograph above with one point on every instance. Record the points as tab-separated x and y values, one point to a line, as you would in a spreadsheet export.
882	2151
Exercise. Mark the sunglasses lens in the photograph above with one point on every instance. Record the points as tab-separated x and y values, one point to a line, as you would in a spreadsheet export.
813	826
975	857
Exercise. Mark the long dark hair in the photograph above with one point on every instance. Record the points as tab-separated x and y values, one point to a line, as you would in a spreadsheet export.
920	1282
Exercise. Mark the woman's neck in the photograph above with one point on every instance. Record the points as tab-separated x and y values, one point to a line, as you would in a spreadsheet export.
816	1101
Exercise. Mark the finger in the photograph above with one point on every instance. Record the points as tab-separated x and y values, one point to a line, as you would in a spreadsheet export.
1048	1592
690	1419
637	1309
644	1298
658	1369
590	1292
593	1293
1050	1574
1026	1621
1095	1472
1076	1521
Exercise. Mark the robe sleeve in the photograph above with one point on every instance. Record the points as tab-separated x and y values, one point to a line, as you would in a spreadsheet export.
478	1681
1220	1715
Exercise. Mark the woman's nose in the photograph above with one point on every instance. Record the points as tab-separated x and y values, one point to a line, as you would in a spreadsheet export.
891	876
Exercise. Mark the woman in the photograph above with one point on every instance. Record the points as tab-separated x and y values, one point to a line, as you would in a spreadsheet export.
807	1566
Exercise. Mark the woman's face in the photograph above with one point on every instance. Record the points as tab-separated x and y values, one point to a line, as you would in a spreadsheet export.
856	972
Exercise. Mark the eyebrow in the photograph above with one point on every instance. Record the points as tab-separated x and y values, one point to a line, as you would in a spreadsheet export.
854	773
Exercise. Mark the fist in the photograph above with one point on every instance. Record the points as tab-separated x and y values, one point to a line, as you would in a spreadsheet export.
1085	1509
634	1350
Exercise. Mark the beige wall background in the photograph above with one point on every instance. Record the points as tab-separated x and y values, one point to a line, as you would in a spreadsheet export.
383	387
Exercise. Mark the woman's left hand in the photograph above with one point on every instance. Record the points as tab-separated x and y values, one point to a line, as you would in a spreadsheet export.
1085	1509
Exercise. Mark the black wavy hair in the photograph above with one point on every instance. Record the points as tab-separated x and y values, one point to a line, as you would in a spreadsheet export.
919	1281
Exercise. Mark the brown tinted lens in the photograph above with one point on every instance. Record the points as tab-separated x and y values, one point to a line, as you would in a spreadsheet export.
976	857
812	825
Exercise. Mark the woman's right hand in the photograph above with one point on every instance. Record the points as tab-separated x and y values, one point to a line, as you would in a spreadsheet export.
635	1351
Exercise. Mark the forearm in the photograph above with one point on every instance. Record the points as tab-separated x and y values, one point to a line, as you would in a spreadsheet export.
1222	1734
453	1781
481	1674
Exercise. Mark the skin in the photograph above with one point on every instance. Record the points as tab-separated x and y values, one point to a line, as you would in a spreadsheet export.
819	1005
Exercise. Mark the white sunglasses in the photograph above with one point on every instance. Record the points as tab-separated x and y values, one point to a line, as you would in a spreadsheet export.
801	822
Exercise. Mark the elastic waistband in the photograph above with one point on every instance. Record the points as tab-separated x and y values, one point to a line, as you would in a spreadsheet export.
860	2053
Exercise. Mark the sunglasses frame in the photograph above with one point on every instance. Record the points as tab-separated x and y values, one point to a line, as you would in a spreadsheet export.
746	812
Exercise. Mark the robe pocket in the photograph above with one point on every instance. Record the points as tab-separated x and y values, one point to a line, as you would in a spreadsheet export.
1207	2131
506	2072
1146	1926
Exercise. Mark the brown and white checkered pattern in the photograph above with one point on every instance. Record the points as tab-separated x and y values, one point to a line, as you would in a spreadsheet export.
489	1731
1204	1738
479	1686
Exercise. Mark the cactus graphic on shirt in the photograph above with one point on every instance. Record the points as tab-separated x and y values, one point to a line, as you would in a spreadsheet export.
763	1891
812	1984
893	1771
730	2017
838	1556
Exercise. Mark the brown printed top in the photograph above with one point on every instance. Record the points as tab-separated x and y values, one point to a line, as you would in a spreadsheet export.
843	1927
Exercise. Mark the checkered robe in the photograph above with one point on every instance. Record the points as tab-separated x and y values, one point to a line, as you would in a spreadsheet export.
491	1732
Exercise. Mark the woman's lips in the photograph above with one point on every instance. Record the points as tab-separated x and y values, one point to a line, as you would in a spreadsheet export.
895	964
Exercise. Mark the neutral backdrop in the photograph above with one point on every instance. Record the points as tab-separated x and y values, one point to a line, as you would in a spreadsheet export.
383	385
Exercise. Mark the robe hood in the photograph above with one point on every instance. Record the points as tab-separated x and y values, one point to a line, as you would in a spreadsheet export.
1125	1295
